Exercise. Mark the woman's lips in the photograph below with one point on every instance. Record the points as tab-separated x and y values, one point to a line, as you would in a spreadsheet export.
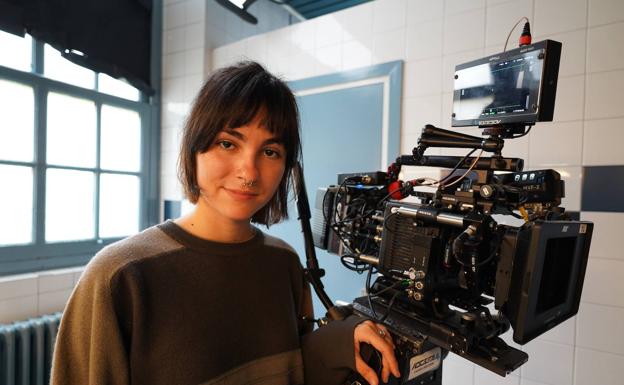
241	194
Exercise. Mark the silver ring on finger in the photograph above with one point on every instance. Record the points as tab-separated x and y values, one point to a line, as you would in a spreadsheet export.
381	333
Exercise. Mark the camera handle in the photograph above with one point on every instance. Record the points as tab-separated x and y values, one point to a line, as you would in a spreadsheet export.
432	136
313	272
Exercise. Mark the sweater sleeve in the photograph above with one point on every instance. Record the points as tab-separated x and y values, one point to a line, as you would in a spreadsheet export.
328	352
89	346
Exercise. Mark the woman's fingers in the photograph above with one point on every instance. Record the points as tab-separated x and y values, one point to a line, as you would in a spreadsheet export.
386	363
369	332
385	372
390	363
365	371
387	352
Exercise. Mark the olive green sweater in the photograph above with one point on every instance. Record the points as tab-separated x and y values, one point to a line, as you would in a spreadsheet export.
166	307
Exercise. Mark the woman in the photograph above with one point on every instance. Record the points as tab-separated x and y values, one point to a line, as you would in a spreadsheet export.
209	298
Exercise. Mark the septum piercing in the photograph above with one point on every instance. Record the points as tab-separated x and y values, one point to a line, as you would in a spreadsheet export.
248	183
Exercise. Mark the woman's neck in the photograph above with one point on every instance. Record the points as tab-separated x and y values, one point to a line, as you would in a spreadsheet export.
203	226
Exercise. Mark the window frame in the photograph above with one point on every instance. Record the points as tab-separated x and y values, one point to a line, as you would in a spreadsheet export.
39	255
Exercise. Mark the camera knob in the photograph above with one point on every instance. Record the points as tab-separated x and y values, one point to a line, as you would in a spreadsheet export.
486	191
414	275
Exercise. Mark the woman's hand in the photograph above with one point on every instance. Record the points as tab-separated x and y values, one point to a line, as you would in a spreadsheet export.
379	337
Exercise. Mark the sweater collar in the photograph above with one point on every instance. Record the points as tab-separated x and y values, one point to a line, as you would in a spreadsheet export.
194	242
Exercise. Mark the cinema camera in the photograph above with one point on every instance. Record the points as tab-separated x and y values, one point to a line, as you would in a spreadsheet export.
442	258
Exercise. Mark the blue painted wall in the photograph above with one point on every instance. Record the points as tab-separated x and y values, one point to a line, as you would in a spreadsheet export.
342	132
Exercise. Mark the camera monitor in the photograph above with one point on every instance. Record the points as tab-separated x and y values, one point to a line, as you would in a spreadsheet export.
512	87
548	276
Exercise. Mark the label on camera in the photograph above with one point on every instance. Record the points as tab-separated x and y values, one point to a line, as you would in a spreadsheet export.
425	362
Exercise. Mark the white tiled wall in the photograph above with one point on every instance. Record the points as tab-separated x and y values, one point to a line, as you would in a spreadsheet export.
30	295
588	130
184	61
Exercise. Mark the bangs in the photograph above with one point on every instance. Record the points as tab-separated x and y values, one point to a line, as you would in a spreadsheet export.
258	92
262	95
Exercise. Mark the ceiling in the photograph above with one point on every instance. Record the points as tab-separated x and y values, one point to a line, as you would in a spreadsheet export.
314	8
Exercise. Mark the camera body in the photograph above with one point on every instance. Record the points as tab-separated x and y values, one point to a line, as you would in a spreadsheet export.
450	277
445	264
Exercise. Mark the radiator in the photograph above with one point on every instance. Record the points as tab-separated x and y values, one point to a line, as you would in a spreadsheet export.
26	349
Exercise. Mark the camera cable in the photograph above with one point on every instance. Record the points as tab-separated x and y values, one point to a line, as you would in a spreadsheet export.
525	38
474	163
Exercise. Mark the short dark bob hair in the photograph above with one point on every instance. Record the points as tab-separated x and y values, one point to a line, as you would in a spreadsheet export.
231	98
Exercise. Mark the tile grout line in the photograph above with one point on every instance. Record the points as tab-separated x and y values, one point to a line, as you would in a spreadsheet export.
441	80
599	351
585	83
614	307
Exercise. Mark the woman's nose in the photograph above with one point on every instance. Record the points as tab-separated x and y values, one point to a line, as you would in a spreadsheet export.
248	168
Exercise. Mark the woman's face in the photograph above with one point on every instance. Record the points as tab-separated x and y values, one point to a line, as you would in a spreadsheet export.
240	172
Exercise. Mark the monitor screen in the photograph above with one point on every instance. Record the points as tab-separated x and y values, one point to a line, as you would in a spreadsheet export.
503	88
556	273
516	86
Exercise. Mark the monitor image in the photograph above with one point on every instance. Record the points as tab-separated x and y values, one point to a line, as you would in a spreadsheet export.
516	86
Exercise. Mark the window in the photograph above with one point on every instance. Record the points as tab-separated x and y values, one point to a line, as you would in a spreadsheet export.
56	67
21	49
74	146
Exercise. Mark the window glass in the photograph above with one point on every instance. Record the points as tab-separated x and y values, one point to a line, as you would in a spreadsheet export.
20	48
112	86
69	205
16	204
120	139
71	138
17	121
90	144
57	67
119	205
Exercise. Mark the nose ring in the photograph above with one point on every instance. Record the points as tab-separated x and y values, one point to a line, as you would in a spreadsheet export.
248	183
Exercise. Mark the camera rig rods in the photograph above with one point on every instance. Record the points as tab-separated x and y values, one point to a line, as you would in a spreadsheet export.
432	136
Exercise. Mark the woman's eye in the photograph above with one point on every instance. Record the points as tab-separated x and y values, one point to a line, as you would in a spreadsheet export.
225	144
271	153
